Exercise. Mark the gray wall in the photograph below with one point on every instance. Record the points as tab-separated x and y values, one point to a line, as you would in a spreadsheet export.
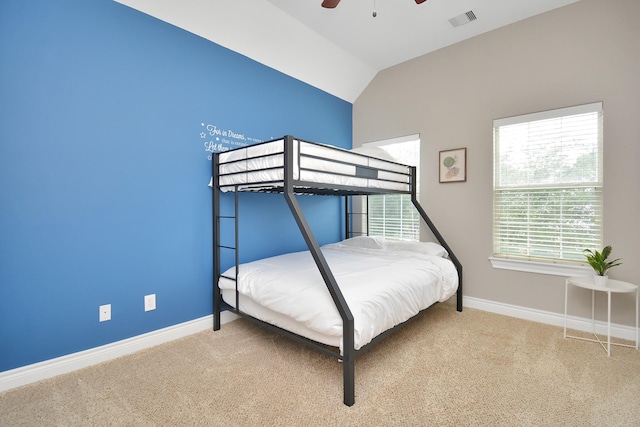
581	53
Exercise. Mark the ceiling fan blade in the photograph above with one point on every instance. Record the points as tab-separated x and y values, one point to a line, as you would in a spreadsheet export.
420	1
330	4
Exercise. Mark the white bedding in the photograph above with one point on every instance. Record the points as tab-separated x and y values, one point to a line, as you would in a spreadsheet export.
315	163
384	283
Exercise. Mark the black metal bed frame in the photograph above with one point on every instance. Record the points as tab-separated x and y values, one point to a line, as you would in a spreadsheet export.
289	188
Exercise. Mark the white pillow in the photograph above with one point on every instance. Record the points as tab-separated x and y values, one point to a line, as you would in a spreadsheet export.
370	242
366	242
427	248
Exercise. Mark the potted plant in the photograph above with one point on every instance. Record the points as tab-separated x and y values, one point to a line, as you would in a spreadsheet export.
598	261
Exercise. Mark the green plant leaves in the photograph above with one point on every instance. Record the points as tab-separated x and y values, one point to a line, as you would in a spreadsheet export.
598	260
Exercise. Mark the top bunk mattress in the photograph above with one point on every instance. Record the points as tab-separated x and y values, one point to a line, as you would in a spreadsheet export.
308	166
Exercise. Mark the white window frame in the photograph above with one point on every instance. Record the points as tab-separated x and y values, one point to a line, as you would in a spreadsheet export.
541	265
415	162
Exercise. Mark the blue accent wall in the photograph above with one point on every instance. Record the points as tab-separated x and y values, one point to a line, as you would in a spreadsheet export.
103	172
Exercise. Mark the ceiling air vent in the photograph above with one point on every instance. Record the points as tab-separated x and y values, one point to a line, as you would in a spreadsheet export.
463	18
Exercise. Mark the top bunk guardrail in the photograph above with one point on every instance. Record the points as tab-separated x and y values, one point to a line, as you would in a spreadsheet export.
309	168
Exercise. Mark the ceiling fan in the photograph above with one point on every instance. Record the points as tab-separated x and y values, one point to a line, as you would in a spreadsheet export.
330	4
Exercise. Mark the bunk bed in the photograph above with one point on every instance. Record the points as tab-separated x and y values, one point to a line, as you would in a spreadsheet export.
292	166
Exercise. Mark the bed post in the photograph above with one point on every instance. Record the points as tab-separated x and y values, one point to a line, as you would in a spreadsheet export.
348	355
217	297
438	236
347	218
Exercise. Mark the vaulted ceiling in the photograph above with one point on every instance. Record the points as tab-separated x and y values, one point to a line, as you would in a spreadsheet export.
339	50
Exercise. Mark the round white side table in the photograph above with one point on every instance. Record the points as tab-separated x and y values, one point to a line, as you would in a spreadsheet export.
613	286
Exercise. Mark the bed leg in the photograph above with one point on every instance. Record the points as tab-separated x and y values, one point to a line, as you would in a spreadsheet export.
349	378
459	292
216	319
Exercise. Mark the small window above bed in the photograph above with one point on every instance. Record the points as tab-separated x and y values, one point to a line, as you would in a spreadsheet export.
393	215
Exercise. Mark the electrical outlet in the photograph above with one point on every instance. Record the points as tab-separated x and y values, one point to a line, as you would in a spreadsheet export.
105	312
149	302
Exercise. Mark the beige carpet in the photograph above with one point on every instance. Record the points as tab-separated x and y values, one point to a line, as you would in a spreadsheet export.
445	369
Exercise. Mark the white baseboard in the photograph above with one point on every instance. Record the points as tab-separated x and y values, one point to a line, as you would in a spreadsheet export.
62	365
65	364
549	318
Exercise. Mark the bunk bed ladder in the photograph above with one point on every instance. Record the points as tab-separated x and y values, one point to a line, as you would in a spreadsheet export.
217	295
350	230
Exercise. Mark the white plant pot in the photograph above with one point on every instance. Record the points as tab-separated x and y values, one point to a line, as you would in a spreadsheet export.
600	280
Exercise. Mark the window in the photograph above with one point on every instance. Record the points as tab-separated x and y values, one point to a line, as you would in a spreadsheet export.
393	215
547	194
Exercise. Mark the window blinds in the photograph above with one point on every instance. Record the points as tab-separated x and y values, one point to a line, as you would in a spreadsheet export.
393	215
548	184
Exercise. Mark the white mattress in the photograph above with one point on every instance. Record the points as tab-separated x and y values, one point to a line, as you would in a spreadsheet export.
384	283
312	163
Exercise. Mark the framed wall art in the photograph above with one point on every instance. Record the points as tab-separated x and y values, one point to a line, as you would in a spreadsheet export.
453	165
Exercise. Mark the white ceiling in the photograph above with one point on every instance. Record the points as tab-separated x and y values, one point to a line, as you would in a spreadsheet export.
337	50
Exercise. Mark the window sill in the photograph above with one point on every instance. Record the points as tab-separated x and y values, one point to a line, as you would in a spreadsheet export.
555	269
